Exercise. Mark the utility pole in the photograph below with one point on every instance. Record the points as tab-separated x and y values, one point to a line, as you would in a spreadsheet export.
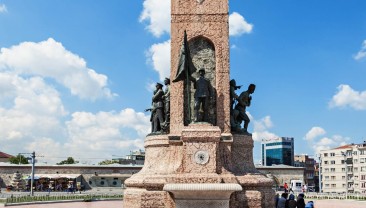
345	163
320	173
32	179
33	158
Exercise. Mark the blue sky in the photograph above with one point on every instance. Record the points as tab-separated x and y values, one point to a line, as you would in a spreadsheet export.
76	75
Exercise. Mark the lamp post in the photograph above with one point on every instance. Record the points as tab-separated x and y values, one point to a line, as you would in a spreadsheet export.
33	160
345	163
320	174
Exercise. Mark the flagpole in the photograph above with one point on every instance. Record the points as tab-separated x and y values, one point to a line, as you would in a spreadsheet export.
187	76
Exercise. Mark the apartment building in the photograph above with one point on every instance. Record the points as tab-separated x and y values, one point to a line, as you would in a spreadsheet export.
343	169
309	164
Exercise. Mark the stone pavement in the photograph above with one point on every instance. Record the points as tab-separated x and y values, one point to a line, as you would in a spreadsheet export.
118	204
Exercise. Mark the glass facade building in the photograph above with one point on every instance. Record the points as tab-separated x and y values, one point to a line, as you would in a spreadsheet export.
278	151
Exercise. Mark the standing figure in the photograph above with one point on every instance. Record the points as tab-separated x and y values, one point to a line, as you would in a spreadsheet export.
201	96
157	111
233	95
244	100
167	103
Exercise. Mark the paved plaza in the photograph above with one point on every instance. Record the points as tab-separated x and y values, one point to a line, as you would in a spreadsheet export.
110	204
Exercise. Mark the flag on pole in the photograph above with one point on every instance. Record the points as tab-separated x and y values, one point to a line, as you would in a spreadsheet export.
185	65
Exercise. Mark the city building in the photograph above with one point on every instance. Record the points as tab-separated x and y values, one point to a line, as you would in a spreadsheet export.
278	151
282	174
135	157
309	164
343	169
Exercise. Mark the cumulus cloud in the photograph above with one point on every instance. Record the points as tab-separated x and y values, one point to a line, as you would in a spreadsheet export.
106	132
314	132
157	13
159	56
362	53
326	143
51	60
3	8
348	97
238	25
261	129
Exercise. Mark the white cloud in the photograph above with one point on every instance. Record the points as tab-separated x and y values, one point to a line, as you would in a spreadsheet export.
261	129
238	25
3	8
157	12
346	96
105	133
362	53
326	143
159	56
50	59
314	132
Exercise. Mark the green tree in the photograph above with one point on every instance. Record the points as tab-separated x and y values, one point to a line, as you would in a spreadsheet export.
108	162
69	160
19	159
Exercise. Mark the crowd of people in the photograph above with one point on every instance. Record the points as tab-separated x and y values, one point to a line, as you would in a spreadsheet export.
286	201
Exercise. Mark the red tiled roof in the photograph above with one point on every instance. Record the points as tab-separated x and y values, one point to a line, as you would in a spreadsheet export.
4	155
344	146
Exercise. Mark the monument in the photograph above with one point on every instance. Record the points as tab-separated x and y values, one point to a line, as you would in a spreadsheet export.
200	162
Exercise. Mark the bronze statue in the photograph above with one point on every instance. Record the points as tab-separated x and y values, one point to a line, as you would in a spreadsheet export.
239	114
166	105
157	109
201	96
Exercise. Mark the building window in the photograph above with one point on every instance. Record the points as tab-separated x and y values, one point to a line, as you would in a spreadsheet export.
343	169
355	152
355	161
326	178
332	162
355	169
343	177
363	177
327	185
332	154
363	169
362	160
325	154
325	162
333	185
344	185
332	170
363	185
326	169
362	152
333	177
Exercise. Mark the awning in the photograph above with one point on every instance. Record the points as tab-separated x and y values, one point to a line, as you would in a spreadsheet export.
54	176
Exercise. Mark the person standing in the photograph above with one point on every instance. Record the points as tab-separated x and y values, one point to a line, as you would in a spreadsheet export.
282	202
300	201
291	201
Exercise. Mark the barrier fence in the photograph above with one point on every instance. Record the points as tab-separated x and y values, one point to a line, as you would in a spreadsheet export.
60	197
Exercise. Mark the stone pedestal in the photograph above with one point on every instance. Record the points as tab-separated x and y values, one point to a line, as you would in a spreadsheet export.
202	195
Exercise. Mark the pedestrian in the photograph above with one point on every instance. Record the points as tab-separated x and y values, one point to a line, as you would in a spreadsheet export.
300	201
282	202
285	186
310	204
291	201
277	197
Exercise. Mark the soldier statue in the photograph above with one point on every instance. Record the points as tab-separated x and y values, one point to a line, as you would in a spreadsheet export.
201	96
239	114
166	105
157	109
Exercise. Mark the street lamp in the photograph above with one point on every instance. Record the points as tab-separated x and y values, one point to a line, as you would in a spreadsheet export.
345	163
33	158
